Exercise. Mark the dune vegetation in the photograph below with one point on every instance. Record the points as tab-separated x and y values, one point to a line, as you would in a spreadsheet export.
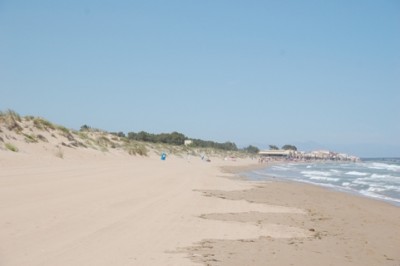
35	130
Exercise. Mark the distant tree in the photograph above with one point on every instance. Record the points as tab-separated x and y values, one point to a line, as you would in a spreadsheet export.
289	147
119	134
132	135
251	149
85	128
229	146
143	136
173	138
273	147
176	138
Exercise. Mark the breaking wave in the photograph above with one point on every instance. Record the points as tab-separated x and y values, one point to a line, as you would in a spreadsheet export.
378	178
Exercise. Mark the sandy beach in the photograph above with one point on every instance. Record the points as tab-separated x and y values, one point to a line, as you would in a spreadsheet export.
62	203
116	209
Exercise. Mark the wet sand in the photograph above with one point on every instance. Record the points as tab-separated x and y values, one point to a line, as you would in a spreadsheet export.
342	229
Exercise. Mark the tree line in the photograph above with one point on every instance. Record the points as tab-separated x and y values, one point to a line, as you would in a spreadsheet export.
176	138
173	138
284	147
228	146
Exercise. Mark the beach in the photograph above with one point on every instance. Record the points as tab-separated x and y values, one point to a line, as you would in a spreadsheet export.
93	208
111	209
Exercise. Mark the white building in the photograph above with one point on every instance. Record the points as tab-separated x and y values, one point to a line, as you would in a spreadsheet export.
188	142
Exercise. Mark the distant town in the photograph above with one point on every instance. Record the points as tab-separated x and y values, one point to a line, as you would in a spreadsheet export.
295	155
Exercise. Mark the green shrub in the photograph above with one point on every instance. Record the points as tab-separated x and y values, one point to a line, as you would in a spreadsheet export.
11	147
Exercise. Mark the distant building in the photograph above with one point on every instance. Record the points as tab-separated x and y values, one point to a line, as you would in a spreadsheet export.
188	142
312	155
323	155
276	153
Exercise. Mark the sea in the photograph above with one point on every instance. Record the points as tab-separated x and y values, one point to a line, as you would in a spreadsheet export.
377	178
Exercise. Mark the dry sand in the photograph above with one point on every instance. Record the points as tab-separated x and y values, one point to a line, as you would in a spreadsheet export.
93	208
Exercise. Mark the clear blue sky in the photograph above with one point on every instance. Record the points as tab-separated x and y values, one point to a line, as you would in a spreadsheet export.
309	73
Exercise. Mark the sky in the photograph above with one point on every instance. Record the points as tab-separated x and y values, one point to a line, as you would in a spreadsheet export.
316	74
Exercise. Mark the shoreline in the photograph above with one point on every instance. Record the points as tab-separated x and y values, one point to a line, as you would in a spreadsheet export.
344	229
245	172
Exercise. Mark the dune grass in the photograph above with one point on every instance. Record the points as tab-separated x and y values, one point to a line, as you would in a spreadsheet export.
11	114
11	119
30	138
100	140
136	148
43	124
42	138
65	131
11	147
103	141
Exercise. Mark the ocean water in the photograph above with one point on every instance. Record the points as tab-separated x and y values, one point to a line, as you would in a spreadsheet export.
375	178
